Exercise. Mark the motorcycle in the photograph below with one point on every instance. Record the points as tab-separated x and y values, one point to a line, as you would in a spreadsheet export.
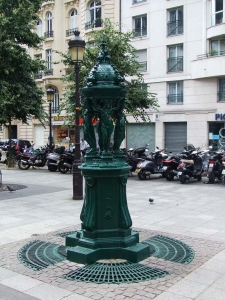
223	169
53	158
66	162
215	168
170	166
133	157
151	165
191	167
35	159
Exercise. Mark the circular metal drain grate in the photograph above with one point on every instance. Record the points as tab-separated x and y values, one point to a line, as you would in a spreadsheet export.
115	273
170	249
38	255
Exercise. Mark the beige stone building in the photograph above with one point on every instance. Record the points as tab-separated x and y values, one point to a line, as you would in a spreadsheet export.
57	21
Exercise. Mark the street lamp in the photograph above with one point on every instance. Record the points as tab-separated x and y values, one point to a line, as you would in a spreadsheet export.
76	48
50	97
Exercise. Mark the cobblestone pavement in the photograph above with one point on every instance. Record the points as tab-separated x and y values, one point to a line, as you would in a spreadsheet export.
192	213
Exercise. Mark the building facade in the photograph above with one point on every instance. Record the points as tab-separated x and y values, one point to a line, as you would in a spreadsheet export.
181	45
57	21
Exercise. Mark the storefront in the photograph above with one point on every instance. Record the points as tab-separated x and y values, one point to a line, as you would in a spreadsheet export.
63	134
217	132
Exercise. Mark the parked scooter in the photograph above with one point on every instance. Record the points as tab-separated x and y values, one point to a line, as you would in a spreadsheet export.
151	165
66	162
133	156
53	158
191	167
215	168
223	169
37	159
170	166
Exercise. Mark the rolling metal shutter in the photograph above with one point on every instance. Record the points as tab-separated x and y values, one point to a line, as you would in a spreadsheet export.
175	136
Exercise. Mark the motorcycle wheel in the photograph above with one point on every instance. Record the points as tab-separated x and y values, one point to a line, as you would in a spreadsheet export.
62	169
211	177
142	176
168	175
52	168
199	177
22	165
182	179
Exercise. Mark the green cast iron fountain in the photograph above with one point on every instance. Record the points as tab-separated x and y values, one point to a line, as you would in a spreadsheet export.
106	223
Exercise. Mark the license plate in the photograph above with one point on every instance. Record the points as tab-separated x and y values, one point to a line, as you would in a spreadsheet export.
179	173
223	172
211	165
164	168
137	170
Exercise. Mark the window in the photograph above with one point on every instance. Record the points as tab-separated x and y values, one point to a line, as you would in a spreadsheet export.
49	70
221	91
217	47
49	32
218	10
39	74
94	15
39	28
175	95
140	26
72	23
55	103
142	59
175	60
175	21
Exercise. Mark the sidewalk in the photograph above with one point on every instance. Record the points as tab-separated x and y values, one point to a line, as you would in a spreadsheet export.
192	213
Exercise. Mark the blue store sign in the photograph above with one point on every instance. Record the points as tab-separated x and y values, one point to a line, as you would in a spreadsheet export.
220	117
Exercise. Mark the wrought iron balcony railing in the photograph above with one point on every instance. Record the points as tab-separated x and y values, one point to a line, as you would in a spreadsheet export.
175	64
48	72
93	24
175	27
221	95
140	31
48	34
70	32
55	109
174	98
212	53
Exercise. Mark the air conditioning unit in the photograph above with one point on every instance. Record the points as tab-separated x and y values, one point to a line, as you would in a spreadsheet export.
155	117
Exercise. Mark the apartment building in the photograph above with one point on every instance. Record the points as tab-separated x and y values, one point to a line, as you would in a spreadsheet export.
57	21
181	45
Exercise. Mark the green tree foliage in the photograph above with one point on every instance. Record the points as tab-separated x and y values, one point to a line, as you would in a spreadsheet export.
123	55
20	97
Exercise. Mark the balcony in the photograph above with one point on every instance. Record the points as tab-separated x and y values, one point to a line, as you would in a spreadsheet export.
70	32
48	72
48	34
175	98
174	27
138	32
221	96
215	31
93	24
208	65
175	64
55	109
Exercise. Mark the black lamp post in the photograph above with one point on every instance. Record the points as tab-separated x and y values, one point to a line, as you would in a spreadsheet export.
50	97
76	48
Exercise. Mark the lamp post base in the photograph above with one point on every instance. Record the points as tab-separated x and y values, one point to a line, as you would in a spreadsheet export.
77	181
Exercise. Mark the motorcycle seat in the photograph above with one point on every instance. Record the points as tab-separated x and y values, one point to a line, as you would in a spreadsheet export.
188	161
